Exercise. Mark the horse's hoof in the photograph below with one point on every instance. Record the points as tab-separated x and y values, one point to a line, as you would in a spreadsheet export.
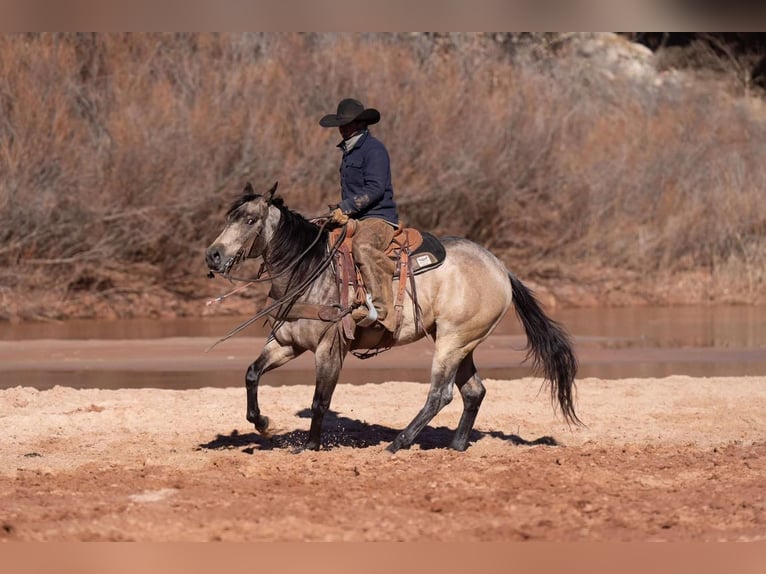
311	445
263	427
399	442
396	446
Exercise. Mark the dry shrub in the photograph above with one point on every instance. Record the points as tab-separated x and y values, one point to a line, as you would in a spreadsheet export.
124	149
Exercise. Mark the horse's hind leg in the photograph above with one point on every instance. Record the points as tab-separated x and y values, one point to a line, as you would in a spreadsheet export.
273	355
447	359
472	390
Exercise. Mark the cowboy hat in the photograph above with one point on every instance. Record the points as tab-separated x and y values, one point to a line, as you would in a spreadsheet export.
350	110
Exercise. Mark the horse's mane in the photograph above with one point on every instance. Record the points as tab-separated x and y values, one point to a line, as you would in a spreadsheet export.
294	234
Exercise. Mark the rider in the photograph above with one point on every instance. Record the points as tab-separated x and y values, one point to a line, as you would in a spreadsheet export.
368	197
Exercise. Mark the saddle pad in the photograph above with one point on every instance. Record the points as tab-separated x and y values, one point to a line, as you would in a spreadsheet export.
429	255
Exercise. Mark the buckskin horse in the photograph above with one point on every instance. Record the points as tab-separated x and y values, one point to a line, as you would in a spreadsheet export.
458	304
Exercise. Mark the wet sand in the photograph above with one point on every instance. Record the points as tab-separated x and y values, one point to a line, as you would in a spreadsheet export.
182	362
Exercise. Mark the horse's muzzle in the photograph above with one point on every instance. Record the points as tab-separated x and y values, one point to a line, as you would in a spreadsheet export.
214	259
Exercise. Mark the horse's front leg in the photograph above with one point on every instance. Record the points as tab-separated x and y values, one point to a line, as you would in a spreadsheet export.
329	361
273	355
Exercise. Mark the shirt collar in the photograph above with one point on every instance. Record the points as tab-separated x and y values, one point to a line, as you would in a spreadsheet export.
348	145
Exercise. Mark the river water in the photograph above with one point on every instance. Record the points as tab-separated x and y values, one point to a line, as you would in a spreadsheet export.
610	343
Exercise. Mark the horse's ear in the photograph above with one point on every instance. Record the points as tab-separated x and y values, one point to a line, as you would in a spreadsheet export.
273	190
249	189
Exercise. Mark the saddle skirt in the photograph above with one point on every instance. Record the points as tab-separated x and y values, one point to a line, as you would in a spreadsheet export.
425	251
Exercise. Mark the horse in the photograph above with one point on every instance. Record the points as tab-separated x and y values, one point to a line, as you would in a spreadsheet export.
459	304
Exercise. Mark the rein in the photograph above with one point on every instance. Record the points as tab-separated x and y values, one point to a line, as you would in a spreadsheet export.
289	297
257	278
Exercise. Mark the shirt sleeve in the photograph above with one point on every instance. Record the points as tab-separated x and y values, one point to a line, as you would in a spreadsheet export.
375	171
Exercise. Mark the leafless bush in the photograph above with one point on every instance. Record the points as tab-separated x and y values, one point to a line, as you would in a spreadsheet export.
126	148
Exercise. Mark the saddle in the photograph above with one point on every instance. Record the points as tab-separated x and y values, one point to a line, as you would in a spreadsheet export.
413	251
423	250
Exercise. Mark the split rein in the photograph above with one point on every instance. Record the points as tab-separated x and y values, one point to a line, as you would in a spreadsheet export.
289	297
257	279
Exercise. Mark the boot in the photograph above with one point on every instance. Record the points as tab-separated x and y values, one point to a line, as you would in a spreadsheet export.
379	285
359	314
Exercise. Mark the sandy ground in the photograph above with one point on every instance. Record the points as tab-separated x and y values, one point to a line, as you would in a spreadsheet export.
673	459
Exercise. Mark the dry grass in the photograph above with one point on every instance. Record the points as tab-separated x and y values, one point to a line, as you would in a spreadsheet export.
121	151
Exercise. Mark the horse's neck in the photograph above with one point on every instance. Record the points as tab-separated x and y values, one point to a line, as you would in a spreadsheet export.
321	288
270	226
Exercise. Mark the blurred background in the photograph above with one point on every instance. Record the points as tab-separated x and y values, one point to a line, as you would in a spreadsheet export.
604	169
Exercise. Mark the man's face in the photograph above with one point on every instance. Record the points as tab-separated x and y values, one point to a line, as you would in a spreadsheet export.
350	129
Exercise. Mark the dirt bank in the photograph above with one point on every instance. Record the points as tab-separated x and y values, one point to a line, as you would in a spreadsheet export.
676	459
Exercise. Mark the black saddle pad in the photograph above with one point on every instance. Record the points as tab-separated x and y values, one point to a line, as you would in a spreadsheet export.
428	256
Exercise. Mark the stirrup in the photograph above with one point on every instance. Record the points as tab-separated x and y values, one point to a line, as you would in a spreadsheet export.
372	313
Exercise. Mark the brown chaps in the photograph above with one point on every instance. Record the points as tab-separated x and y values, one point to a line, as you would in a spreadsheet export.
371	238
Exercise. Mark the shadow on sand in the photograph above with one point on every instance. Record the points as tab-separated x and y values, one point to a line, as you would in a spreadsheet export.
345	432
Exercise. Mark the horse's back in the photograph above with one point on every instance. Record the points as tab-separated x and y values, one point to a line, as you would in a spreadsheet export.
471	279
468	294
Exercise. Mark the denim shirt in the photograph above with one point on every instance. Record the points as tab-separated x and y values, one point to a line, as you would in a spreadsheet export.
365	181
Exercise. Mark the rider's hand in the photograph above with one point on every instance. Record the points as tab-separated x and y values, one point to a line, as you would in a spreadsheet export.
339	217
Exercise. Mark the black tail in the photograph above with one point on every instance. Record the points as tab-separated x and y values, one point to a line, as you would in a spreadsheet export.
550	348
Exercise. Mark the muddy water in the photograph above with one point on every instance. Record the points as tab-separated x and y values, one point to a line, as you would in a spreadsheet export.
610	343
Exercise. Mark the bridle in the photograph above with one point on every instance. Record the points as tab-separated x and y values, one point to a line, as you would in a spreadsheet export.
257	279
289	298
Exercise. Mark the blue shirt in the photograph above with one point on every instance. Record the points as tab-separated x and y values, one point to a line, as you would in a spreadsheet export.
365	181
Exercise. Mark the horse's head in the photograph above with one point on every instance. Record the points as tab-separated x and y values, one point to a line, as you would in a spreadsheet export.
244	234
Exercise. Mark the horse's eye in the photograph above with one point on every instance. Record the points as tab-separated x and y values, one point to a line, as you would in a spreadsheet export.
250	221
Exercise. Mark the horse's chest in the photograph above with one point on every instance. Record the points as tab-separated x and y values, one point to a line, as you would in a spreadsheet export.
302	334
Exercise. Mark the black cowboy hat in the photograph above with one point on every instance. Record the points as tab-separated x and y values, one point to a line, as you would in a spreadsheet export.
350	110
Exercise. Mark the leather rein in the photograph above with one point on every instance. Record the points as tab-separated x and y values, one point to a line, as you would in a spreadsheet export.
288	298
